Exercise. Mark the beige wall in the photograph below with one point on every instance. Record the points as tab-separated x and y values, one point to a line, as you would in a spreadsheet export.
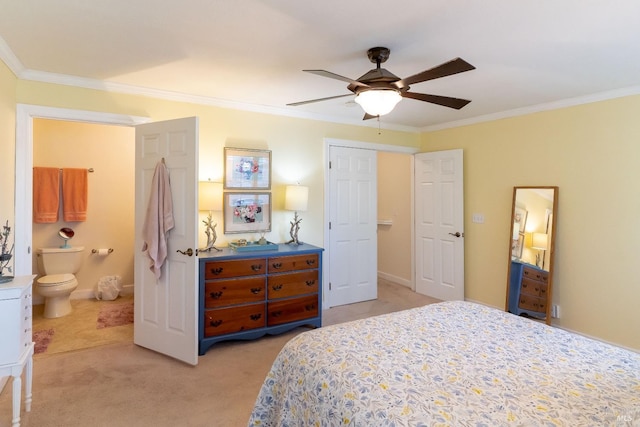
109	150
591	152
394	204
7	144
297	145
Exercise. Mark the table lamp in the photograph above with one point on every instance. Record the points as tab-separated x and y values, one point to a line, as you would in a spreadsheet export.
210	199
296	199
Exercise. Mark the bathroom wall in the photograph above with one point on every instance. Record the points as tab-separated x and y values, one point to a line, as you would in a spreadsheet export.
109	150
395	176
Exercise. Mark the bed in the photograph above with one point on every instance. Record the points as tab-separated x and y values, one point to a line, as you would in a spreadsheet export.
452	363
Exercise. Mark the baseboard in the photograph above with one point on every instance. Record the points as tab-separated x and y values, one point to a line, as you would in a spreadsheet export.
395	279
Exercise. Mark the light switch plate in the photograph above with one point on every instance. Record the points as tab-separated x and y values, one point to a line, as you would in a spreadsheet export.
478	218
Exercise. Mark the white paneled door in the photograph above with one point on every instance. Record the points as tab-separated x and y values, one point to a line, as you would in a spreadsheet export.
353	249
439	224
166	309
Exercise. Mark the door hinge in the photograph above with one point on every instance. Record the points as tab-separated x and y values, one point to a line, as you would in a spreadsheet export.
329	285
329	225
329	164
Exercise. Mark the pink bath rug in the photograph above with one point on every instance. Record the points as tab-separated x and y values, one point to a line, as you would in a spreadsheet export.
42	339
115	315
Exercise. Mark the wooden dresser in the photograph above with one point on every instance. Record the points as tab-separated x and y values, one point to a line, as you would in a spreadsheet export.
528	290
245	295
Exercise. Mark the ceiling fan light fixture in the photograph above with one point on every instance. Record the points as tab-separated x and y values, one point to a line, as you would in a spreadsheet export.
378	102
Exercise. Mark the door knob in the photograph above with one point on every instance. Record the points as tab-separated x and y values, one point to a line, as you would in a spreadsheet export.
457	234
188	252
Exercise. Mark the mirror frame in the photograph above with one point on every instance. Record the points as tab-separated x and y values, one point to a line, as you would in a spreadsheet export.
551	249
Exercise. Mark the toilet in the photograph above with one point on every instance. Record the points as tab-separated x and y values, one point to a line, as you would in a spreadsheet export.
58	266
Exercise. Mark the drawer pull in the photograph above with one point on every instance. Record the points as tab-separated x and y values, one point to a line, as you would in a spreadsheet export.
311	262
310	307
256	267
276	313
216	271
310	282
216	295
255	291
277	287
215	323
256	316
277	265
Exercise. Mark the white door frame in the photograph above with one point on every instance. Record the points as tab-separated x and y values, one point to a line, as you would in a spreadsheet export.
25	113
329	142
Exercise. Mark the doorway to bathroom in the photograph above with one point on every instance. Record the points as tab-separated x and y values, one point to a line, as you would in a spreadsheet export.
104	143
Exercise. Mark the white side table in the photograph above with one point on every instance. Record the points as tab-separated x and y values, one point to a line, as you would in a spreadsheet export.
16	339
15	370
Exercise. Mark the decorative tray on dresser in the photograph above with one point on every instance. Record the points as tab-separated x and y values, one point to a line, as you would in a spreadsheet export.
245	295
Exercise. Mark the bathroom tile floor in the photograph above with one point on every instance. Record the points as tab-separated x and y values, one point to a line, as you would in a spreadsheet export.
78	330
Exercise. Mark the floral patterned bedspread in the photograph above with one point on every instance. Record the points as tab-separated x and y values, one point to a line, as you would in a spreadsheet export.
449	364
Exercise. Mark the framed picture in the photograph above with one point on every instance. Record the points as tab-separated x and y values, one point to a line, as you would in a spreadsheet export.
517	246
247	212
520	218
246	169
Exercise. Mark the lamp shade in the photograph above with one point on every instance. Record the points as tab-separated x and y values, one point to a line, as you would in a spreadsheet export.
296	198
378	102
540	241
209	196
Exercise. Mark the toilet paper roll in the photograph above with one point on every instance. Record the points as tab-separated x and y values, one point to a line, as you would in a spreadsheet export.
103	252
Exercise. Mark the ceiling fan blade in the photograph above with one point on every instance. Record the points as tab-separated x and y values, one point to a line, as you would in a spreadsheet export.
445	101
331	75
295	104
368	116
454	66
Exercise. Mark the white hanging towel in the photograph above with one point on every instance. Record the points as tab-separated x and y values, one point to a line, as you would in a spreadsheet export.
159	219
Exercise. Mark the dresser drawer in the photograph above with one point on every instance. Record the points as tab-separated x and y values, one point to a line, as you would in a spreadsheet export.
533	287
220	293
292	284
532	303
290	310
292	263
533	274
234	268
234	319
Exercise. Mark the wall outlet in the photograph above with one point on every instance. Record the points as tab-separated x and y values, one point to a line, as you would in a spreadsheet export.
555	311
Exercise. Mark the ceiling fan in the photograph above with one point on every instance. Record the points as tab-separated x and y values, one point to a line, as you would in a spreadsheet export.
378	91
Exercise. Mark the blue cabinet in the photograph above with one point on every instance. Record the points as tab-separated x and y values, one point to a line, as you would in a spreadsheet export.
528	290
245	295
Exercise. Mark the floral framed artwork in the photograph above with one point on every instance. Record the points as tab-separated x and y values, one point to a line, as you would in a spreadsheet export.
247	212
246	169
520	217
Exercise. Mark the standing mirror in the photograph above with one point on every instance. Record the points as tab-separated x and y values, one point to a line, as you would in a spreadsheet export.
531	243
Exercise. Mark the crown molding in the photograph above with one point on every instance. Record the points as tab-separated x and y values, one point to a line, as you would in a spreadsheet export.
10	59
564	103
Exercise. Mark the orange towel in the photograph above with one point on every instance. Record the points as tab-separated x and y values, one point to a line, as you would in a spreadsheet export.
46	194
74	194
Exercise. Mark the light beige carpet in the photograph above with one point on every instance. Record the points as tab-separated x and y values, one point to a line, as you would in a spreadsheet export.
126	385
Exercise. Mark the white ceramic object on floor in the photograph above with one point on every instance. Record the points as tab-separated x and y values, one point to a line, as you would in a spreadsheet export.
58	267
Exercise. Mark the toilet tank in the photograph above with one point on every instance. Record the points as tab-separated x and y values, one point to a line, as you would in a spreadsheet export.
59	260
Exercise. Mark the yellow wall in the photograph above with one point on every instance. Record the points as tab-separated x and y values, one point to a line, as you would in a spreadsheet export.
588	151
7	144
296	144
394	204
591	152
109	150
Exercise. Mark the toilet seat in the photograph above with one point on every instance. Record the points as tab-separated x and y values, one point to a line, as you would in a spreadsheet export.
56	279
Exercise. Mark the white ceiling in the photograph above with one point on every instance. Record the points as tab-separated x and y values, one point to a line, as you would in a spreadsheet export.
529	54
